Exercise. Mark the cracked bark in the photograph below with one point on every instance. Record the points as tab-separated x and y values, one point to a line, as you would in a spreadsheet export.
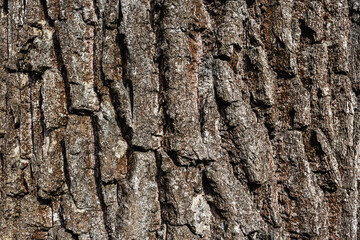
179	119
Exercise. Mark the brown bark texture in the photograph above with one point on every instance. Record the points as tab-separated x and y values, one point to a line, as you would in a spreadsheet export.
179	119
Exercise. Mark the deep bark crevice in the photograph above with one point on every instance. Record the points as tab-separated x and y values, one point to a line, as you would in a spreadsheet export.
122	45
62	222
62	68
66	169
161	188
46	14
97	177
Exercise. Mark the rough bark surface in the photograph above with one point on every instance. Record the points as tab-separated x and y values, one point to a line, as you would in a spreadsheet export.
179	119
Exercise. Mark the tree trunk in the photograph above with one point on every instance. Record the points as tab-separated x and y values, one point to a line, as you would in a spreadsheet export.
179	119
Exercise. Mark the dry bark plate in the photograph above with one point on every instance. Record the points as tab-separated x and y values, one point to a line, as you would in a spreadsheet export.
179	119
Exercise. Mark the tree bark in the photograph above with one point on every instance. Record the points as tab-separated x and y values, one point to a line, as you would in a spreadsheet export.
179	119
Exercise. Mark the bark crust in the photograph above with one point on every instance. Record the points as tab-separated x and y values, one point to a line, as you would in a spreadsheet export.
179	119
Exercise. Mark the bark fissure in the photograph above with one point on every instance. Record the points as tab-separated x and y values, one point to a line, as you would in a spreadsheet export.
61	68
97	176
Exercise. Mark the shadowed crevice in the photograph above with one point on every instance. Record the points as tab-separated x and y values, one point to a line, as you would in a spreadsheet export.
124	52
62	68
46	14
97	177
307	34
62	222
159	178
